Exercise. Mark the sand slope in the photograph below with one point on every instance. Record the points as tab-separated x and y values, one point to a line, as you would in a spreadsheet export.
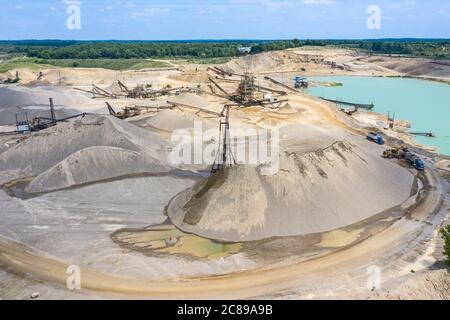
415	66
94	164
171	120
313	192
35	102
93	148
14	96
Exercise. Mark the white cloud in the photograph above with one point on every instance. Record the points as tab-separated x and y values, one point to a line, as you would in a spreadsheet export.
319	2
280	4
150	12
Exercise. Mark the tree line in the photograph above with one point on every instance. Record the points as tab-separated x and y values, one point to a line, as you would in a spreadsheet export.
57	49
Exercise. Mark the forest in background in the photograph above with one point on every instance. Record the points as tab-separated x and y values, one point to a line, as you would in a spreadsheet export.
136	54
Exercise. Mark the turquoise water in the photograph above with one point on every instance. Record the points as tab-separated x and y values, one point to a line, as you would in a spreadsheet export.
425	104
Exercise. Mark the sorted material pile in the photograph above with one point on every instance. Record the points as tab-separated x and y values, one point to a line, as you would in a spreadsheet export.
313	192
91	149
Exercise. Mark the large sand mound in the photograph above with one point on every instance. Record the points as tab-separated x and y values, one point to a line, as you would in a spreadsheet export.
170	120
313	192
35	102
15	96
416	67
94	164
87	150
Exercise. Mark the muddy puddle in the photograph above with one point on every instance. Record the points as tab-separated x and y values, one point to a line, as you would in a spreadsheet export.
167	239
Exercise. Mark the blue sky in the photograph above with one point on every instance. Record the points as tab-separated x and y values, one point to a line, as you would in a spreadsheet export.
225	19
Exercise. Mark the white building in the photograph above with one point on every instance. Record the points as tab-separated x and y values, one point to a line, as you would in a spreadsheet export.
245	49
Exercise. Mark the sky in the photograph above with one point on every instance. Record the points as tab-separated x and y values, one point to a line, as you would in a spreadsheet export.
225	19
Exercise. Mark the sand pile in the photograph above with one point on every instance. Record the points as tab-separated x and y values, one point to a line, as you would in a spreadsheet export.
416	67
183	118
25	75
14	96
276	60
313	192
170	120
87	150
35	102
254	63
80	76
191	76
191	100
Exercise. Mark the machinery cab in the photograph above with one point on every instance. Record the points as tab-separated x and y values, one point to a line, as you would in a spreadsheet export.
23	127
375	137
301	82
419	164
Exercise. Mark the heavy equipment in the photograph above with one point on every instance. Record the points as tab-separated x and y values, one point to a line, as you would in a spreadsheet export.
375	137
40	123
395	153
12	81
404	153
301	82
414	160
126	112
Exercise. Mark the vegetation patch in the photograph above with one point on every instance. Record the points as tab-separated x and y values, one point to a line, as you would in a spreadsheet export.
18	63
445	233
113	64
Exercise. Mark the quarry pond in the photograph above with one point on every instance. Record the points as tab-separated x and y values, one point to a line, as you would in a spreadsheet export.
425	104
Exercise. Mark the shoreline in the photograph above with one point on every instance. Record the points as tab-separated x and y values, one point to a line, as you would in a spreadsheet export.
411	139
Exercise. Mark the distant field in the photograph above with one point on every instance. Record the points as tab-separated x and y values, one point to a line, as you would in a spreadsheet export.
18	63
113	64
207	60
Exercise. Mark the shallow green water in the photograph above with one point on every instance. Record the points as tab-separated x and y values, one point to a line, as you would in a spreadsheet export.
425	104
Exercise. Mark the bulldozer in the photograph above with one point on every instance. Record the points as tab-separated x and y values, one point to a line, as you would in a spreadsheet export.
395	153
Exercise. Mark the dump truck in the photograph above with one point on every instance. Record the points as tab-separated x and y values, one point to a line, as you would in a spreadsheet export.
415	161
375	137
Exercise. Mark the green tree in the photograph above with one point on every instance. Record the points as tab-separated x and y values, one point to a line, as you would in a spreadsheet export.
445	233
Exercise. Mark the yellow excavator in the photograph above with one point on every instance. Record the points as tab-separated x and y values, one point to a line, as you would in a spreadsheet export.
395	153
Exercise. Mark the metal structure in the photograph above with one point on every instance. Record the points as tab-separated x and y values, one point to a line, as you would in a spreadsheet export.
351	104
199	110
12	81
390	120
142	91
248	93
98	92
428	134
126	112
129	112
280	84
41	123
224	157
301	83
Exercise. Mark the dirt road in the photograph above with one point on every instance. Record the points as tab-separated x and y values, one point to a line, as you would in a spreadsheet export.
346	269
